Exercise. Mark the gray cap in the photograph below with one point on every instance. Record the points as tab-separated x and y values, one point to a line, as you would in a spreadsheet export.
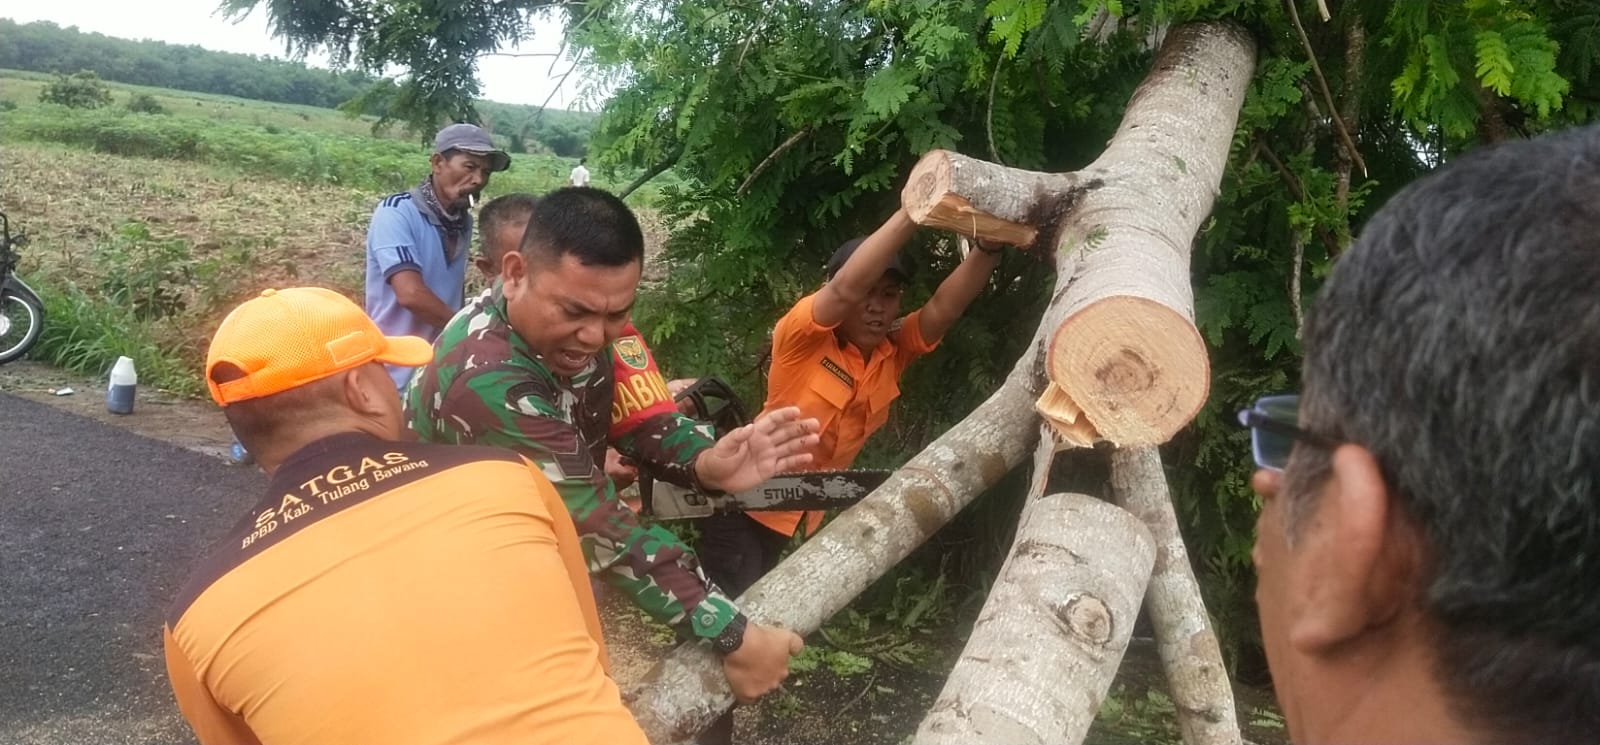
469	138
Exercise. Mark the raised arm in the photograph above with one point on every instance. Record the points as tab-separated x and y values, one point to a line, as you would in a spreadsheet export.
850	285
956	292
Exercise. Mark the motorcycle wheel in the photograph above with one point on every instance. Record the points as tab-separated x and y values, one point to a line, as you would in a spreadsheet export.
20	323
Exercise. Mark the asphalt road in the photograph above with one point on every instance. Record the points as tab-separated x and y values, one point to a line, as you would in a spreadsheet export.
97	528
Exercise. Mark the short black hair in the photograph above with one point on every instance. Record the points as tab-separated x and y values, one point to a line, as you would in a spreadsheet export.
1459	341
591	224
501	211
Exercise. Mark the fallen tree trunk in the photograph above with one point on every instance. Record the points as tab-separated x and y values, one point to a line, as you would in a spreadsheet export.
1127	364
1184	638
686	690
1050	637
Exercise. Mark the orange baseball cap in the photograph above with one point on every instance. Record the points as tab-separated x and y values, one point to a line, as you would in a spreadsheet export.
287	338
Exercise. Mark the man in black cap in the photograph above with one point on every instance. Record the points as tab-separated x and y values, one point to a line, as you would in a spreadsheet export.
418	239
838	355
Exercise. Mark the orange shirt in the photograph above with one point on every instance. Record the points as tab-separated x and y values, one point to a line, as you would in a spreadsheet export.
388	592
828	379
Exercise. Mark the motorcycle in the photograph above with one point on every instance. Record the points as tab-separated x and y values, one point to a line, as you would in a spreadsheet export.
21	310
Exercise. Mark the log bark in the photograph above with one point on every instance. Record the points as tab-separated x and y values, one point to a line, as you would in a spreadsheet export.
1127	364
1185	640
686	690
1051	635
977	198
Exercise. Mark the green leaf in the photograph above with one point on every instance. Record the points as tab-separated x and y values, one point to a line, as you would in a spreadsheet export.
1011	20
1494	67
886	92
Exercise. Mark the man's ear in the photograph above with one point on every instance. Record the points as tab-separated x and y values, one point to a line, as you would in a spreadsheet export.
513	267
364	392
1356	556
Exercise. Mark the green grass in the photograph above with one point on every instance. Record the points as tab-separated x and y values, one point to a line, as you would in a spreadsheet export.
23	88
255	138
85	333
147	228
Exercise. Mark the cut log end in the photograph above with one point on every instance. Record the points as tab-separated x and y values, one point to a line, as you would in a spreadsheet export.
1126	370
933	197
1065	418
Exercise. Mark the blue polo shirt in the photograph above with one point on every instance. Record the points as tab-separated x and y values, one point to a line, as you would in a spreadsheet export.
401	239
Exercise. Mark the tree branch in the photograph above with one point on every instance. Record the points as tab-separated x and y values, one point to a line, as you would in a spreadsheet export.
654	171
520	54
1062	609
1196	676
1298	242
1298	192
553	91
988	112
1355	48
1327	95
771	158
750	39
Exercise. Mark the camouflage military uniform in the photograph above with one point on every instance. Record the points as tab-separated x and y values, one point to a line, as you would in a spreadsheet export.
485	386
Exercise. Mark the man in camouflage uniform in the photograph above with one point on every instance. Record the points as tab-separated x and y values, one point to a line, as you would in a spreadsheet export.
527	366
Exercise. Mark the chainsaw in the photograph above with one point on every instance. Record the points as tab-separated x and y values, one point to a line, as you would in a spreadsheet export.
712	401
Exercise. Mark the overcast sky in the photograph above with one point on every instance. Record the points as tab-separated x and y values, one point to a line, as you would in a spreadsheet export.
509	79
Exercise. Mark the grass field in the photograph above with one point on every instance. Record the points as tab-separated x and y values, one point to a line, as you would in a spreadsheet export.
146	228
22	88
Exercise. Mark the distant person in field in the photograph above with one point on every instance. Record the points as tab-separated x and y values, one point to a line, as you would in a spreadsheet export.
501	223
378	591
579	175
418	240
1428	548
838	355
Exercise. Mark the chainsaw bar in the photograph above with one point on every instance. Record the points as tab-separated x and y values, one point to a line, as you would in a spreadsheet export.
810	490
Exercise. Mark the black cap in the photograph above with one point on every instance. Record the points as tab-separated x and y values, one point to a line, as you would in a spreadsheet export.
897	265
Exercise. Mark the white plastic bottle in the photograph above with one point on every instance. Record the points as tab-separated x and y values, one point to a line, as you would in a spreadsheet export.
124	379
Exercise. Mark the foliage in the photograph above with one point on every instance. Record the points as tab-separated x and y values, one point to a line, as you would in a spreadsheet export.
437	42
81	90
144	103
85	334
148	276
1149	718
139	299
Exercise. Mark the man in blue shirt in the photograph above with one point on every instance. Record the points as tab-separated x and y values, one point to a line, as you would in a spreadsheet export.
418	240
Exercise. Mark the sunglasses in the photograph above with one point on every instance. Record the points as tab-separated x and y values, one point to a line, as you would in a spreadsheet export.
1273	432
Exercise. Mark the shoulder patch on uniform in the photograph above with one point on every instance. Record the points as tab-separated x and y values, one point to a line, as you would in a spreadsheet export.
631	351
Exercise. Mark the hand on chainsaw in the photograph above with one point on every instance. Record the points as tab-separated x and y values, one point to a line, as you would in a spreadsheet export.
620	469
774	443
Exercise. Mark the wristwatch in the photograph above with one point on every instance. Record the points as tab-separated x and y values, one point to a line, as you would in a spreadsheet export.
732	636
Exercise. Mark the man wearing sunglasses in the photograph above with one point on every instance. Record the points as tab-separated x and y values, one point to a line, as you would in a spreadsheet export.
1428	551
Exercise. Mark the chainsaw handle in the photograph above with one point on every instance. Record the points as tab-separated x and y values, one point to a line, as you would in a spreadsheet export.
713	387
